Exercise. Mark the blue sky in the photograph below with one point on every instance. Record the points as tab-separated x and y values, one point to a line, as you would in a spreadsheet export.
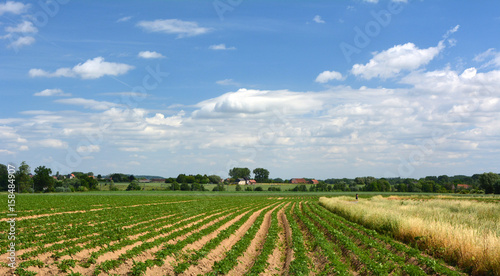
319	89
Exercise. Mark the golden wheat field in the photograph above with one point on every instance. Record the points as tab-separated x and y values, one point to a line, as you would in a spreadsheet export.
460	231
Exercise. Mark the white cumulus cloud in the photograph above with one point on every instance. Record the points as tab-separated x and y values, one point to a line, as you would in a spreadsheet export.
327	76
23	27
318	19
248	102
88	149
491	58
22	41
90	69
149	54
51	92
160	119
228	82
221	47
391	62
13	7
124	19
53	143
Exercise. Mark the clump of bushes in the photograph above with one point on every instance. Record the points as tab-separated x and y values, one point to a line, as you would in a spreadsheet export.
133	186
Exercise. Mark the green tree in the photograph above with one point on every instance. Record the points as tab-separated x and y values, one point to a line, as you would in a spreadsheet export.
4	177
196	187
116	177
42	179
181	178
239	173
215	179
23	180
384	185
359	181
261	175
112	186
185	187
218	188
175	186
488	181
133	186
190	179
401	187
427	186
443	179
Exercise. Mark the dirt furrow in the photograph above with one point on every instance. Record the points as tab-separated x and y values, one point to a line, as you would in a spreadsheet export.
278	258
205	265
171	262
116	254
288	239
246	261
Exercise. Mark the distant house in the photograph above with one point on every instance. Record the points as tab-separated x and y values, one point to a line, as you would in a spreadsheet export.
241	181
144	180
303	181
463	187
158	180
252	181
298	181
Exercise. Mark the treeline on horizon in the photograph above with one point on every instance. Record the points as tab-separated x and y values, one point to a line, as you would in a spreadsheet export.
44	181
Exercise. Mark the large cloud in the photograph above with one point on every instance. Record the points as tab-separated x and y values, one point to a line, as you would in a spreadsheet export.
391	62
90	69
13	7
23	27
246	102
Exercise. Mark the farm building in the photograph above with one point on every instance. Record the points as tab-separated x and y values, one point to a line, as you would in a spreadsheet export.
462	187
298	181
244	181
303	181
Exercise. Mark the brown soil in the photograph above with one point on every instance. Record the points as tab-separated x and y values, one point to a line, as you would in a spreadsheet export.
116	254
171	262
314	253
246	260
205	265
124	268
288	239
27	250
277	259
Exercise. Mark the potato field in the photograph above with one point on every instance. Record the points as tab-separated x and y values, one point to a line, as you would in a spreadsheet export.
146	234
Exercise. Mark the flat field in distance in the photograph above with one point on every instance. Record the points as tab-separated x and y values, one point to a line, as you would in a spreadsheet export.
147	233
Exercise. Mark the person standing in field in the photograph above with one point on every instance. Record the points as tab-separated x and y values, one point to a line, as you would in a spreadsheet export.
356	197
